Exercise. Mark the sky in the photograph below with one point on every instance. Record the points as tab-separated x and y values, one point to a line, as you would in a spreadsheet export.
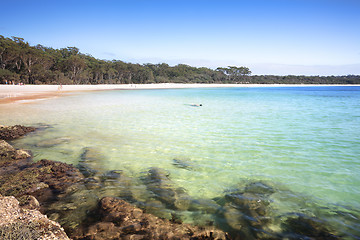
280	37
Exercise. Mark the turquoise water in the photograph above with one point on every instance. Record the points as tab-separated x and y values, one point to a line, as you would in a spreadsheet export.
305	141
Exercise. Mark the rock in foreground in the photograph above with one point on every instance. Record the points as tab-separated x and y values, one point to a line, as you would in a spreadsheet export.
21	223
121	220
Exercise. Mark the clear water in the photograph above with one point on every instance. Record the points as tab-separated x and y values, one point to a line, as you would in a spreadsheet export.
304	140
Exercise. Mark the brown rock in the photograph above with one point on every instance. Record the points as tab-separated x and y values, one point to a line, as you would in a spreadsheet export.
119	219
8	154
21	223
29	202
44	179
13	132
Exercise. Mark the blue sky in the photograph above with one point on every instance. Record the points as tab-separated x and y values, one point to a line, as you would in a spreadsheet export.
310	37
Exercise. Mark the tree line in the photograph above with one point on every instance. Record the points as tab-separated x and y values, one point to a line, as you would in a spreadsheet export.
22	63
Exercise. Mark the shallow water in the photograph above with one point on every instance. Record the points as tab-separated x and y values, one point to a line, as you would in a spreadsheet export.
303	141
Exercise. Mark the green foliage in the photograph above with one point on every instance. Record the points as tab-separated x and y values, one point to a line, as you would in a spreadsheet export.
20	62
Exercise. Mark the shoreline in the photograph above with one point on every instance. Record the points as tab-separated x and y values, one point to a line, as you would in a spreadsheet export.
27	93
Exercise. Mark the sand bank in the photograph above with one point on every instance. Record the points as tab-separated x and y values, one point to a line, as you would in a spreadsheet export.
28	93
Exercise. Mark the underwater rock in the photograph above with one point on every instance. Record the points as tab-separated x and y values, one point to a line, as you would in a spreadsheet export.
48	143
207	206
184	163
158	182
302	227
237	227
115	183
182	200
246	211
252	201
14	132
158	175
43	126
90	162
121	220
93	183
140	193
259	188
20	223
72	210
253	205
157	208
113	174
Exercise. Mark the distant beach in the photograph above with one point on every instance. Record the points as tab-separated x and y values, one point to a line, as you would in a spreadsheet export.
27	93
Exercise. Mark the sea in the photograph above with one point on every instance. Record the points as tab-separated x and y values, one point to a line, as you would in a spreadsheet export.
302	143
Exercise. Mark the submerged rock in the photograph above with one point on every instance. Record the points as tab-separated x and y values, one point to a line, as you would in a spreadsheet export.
184	163
14	132
246	211
259	188
158	182
73	209
302	227
116	183
20	223
48	143
121	220
207	206
90	162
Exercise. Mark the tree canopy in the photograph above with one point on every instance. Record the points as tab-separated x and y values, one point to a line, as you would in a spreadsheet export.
22	63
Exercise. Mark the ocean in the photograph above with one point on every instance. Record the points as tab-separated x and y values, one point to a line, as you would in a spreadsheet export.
301	142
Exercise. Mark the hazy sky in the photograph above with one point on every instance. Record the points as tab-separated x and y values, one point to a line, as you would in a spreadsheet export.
310	37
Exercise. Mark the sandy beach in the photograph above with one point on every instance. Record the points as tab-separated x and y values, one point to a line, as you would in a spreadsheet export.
27	93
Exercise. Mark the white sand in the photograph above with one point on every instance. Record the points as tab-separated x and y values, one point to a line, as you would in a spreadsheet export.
16	93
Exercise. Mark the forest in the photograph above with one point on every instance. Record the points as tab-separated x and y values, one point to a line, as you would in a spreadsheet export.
21	63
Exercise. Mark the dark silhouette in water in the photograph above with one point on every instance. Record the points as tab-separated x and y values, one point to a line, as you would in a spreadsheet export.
194	105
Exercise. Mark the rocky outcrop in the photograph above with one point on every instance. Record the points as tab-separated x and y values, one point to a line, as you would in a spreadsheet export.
44	179
13	132
61	191
8	153
17	222
121	220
